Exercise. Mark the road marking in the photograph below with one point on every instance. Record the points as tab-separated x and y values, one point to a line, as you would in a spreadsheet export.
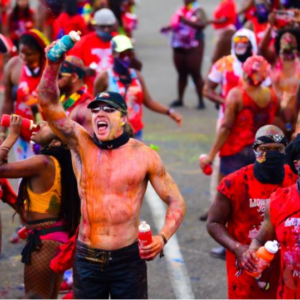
178	273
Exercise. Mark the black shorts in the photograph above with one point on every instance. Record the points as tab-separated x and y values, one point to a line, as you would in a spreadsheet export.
118	274
232	163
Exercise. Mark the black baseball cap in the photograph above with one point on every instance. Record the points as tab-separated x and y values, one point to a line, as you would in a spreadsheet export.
111	98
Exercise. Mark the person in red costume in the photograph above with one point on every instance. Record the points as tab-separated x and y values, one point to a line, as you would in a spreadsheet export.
259	22
240	203
69	20
7	195
281	222
22	75
248	107
224	20
98	56
20	20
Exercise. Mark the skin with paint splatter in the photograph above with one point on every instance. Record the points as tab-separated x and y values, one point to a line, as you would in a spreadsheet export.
112	183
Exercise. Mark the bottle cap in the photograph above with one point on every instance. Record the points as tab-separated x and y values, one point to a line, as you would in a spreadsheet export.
144	227
272	246
75	36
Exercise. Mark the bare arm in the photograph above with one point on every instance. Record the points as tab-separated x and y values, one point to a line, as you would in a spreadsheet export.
48	96
199	23
7	106
30	167
247	4
209	91
168	191
231	111
156	106
264	50
101	83
218	216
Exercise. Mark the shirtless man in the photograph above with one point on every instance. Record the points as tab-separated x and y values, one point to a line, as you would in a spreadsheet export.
107	262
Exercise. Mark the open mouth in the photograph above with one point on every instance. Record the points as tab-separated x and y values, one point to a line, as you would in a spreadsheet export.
102	125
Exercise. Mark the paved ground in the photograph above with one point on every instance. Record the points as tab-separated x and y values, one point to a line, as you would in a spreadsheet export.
179	148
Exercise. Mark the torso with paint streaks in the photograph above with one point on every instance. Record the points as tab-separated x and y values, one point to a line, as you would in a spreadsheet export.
112	184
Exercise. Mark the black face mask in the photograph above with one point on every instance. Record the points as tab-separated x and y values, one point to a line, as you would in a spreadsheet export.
114	144
243	57
272	169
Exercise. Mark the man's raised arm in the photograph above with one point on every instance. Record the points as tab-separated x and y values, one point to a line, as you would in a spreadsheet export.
48	95
168	191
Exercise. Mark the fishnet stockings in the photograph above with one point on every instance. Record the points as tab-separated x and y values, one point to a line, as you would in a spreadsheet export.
39	279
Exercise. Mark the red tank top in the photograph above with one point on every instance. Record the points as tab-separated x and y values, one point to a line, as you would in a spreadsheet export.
285	218
134	97
247	122
248	199
27	97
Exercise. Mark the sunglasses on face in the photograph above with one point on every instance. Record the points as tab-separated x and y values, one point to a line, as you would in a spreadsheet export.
127	53
241	39
105	108
60	76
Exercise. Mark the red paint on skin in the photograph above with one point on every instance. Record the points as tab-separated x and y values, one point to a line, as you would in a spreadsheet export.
111	184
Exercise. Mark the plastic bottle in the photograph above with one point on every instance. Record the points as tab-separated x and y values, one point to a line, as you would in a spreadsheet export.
63	45
27	124
145	235
23	233
265	255
207	169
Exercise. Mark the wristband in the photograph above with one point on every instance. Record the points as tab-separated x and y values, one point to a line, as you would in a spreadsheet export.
164	238
170	111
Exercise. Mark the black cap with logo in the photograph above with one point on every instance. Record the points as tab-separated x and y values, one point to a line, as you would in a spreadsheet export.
111	98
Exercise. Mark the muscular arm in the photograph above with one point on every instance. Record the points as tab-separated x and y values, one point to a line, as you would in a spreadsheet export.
231	111
48	95
210	93
168	191
219	214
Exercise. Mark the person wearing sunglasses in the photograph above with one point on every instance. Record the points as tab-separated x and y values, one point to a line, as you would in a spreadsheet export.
112	172
73	91
131	85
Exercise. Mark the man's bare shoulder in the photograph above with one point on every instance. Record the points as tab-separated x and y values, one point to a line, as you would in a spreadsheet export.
148	155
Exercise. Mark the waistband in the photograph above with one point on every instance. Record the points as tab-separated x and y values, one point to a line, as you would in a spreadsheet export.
34	242
82	247
41	221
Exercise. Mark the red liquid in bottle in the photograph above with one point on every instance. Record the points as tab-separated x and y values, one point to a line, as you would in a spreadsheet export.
23	233
27	124
145	235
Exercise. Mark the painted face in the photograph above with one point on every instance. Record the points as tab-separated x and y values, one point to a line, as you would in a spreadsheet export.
288	41
30	56
44	136
107	122
241	44
22	3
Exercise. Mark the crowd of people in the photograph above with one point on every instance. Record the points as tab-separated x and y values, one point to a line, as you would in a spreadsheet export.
79	210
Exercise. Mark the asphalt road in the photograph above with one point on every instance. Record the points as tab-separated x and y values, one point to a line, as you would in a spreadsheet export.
179	148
